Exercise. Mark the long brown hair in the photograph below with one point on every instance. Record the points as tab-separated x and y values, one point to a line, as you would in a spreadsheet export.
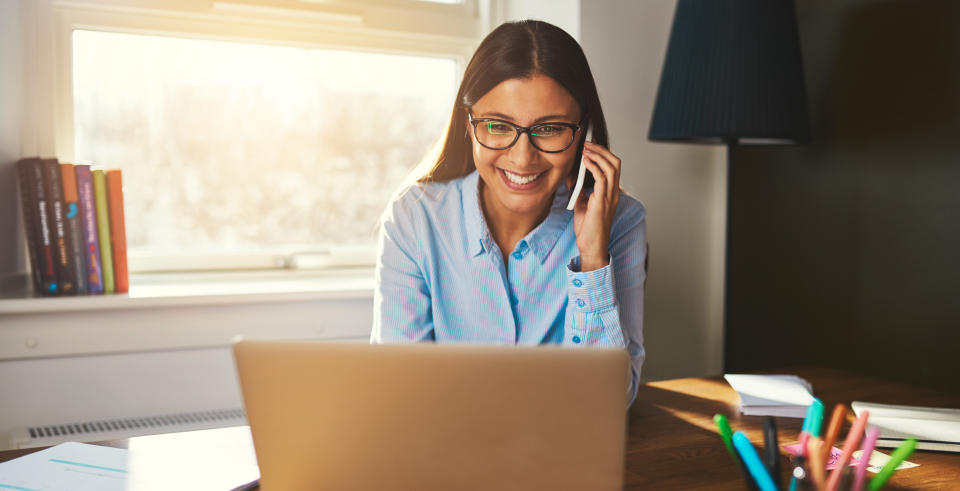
519	49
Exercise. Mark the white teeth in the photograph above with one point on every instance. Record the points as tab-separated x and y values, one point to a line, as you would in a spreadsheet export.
520	179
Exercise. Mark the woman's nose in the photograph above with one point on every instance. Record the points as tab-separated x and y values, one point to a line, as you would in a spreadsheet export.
523	152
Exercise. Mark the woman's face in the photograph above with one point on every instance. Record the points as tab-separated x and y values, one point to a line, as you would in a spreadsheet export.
521	179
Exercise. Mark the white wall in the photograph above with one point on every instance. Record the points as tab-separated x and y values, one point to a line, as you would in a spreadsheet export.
564	14
11	111
682	186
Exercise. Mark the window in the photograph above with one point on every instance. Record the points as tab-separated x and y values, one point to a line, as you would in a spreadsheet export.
255	149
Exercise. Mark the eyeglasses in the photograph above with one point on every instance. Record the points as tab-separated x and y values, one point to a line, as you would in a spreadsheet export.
497	134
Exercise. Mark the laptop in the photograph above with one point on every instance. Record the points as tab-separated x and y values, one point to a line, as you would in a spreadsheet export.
434	416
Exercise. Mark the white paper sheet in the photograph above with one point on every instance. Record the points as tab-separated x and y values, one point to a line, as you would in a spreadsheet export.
73	466
218	459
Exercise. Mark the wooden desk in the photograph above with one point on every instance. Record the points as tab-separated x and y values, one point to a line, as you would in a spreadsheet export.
672	444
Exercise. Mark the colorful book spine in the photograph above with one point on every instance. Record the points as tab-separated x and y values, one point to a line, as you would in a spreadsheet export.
118	234
74	221
88	210
103	229
51	177
34	202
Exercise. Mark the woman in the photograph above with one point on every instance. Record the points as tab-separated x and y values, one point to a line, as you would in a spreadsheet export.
482	248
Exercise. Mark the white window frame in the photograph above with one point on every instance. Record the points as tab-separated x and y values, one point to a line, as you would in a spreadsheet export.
406	27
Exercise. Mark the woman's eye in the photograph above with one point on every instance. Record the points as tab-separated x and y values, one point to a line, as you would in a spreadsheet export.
549	130
499	128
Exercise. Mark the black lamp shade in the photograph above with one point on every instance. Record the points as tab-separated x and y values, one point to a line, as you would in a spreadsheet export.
733	74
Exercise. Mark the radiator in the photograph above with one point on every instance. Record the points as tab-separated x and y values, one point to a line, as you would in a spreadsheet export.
118	429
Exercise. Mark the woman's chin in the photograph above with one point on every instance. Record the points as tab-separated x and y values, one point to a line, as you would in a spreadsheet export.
526	204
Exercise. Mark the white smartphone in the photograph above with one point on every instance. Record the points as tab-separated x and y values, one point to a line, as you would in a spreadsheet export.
580	176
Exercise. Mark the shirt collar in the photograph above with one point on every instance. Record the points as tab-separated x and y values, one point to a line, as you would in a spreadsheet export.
478	236
541	240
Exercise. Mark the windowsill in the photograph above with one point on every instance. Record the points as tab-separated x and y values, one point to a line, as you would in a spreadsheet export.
200	289
169	311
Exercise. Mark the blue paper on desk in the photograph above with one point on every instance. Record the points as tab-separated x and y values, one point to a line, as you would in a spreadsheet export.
772	395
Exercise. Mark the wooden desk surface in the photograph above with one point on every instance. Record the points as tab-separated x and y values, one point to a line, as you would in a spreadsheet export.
672	443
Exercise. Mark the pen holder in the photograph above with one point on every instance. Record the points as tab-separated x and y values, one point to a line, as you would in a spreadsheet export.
809	470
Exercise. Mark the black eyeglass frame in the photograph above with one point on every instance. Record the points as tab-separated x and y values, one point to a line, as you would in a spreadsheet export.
524	129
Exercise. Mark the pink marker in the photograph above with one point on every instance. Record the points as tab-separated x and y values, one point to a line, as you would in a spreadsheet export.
853	439
868	443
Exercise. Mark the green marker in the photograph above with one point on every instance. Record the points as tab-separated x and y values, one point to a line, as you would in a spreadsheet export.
899	455
726	434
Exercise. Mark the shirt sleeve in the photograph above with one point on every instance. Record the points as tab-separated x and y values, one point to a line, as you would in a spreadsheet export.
605	306
401	299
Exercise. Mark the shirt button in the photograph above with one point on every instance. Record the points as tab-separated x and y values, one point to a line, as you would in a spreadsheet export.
577	283
580	303
517	256
576	339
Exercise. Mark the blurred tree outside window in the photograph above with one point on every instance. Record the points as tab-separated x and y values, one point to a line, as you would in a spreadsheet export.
230	146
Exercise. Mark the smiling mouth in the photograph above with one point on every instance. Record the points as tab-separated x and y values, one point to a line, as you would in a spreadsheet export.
521	180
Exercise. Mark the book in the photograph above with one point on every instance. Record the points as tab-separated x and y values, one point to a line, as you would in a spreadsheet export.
934	428
74	225
56	219
772	395
33	196
91	240
103	229
118	234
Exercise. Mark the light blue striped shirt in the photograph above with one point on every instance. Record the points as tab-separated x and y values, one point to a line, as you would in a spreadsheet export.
440	276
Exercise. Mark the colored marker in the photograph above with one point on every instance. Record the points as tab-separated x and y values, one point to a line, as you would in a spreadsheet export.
868	443
753	463
814	419
726	434
898	456
851	443
800	480
811	427
812	424
817	460
836	421
770	450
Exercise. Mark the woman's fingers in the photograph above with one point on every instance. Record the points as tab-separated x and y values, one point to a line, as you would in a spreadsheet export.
599	178
607	161
601	151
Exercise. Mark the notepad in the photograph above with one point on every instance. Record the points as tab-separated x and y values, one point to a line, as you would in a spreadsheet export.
934	428
772	395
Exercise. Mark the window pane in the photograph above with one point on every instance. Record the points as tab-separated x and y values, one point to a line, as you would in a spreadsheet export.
230	145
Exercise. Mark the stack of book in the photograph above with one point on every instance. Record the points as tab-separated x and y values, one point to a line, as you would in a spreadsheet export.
787	396
74	225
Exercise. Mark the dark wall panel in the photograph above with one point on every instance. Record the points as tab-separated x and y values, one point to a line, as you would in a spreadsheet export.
846	252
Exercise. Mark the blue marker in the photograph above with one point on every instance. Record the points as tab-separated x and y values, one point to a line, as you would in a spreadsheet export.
753	463
811	424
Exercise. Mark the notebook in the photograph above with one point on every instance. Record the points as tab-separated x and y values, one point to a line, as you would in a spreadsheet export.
934	428
772	395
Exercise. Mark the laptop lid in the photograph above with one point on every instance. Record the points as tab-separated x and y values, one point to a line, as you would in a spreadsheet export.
434	416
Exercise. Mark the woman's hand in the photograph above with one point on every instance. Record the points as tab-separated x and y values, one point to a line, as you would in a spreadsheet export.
593	216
